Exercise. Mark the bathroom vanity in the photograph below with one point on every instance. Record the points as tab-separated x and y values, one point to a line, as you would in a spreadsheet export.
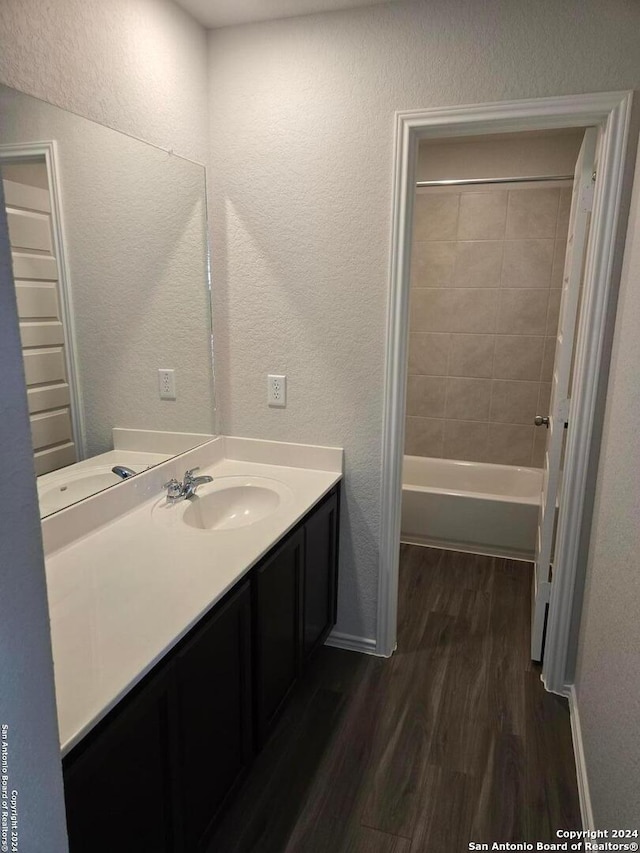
176	643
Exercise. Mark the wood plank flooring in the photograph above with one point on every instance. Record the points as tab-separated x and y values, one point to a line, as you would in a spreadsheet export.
451	740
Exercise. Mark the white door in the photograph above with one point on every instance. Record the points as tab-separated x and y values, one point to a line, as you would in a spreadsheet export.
35	272
557	418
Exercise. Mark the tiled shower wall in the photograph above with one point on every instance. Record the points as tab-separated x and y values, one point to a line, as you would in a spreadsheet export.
485	295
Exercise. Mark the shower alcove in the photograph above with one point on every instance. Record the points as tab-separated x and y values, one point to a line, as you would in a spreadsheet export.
489	238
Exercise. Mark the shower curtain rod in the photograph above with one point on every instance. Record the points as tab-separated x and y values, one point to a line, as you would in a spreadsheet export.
466	181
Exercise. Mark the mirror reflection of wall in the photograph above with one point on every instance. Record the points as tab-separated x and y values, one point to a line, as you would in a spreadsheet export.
109	237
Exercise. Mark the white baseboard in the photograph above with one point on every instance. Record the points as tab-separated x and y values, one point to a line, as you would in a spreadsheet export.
351	642
581	766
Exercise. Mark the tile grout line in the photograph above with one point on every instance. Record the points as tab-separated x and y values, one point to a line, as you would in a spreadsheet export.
495	324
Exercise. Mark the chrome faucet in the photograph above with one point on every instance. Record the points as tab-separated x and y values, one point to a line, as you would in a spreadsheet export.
123	471
177	491
191	483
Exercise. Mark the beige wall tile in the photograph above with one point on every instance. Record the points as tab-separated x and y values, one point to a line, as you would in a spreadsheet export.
432	264
468	399
553	311
564	210
423	437
471	355
510	444
432	309
544	398
435	216
518	357
478	263
557	270
523	311
532	213
482	319
426	396
527	263
548	359
482	216
540	436
514	402
474	311
429	353
452	309
465	440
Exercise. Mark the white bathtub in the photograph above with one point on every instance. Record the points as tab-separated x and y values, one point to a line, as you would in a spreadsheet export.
470	506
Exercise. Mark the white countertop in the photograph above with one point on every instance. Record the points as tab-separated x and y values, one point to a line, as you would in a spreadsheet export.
122	595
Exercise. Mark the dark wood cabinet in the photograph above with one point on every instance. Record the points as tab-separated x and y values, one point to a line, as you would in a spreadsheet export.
277	586
119	787
153	776
319	579
212	730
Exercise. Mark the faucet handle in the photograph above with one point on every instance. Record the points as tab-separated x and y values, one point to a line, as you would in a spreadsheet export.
174	489
188	475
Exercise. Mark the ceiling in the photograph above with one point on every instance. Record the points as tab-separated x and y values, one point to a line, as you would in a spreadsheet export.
224	13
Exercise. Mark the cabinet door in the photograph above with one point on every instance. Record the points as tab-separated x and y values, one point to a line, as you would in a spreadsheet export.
320	570
213	707
118	791
277	593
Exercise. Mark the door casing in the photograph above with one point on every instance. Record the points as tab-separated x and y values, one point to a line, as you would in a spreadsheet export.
47	151
611	112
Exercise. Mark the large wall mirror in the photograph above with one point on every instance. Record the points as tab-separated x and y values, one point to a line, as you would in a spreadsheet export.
110	259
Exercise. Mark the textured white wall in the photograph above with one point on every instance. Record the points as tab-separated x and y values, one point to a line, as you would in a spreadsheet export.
302	134
136	65
607	681
27	705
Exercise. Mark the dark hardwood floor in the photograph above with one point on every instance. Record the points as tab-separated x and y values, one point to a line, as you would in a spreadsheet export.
451	740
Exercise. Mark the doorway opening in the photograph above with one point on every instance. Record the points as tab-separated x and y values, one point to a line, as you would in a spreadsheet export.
609	114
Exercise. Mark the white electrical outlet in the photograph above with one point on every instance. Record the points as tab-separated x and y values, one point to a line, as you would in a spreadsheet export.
167	384
277	390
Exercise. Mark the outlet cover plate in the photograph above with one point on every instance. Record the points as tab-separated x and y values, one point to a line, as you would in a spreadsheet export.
167	383
276	391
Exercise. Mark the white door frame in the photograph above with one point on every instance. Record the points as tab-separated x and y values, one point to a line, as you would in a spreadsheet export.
23	152
611	112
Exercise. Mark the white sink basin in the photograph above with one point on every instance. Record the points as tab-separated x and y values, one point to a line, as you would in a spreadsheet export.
235	506
72	486
227	503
